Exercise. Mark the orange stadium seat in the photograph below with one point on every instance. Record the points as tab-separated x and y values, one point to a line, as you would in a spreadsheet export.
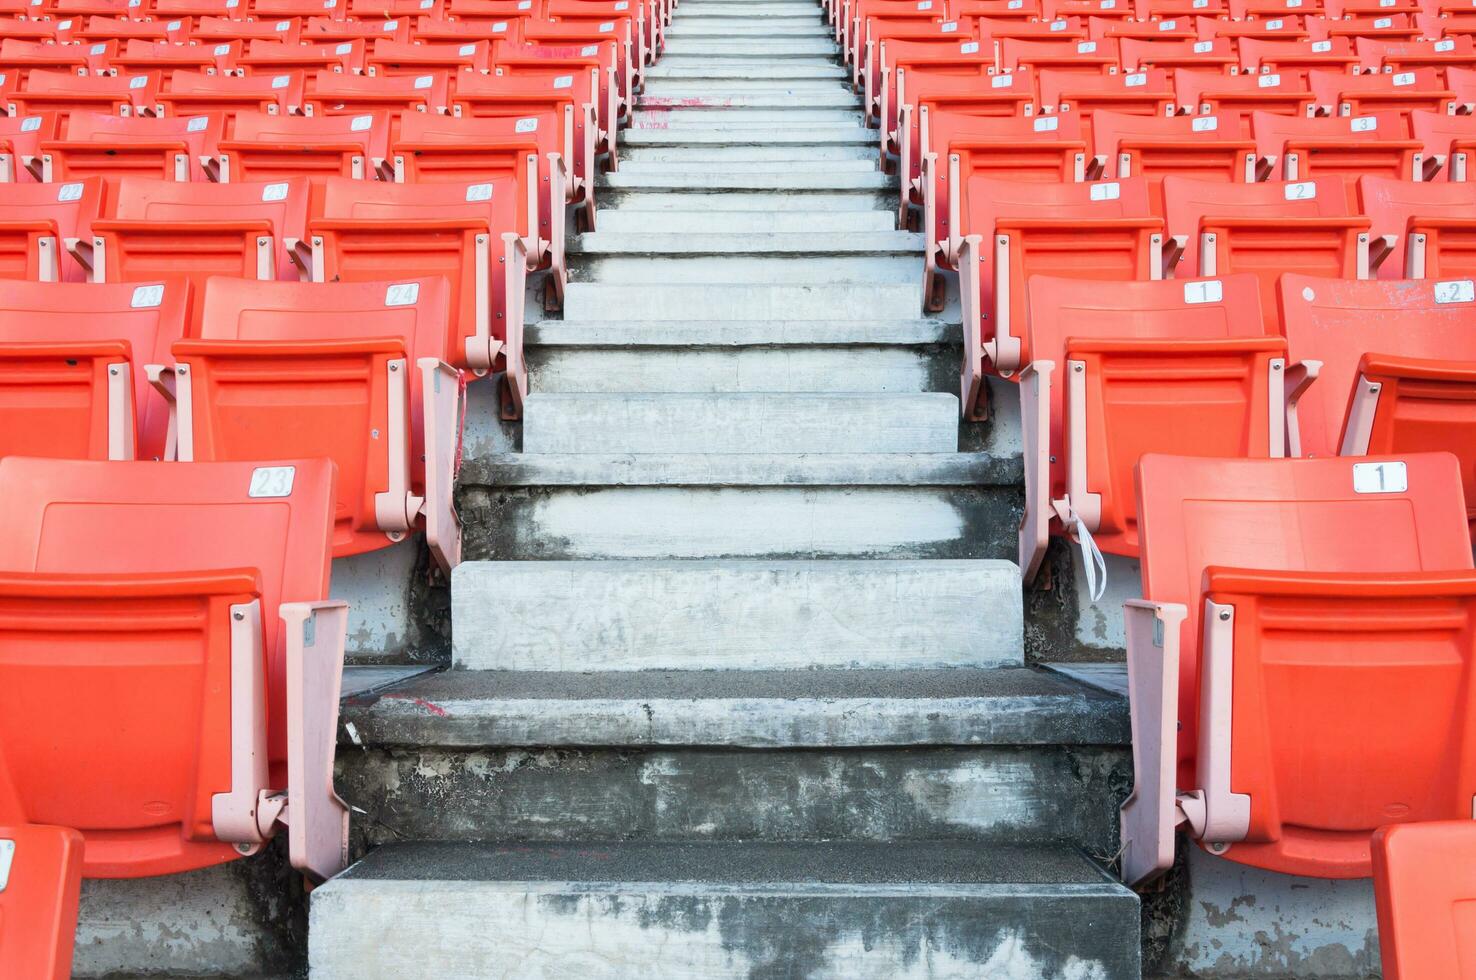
1429	228
1107	362
1449	142
1097	231
45	227
1425	896
253	382
207	591
212	29
1217	54
39	905
264	147
1204	146
94	342
471	235
1260	55
1298	667
20	145
331	93
64	93
1377	54
190	93
1398	92
1215	93
155	229
1296	148
1266	229
182	148
1383	393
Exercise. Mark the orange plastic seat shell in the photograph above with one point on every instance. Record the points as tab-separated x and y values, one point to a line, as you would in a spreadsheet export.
134	576
1425	894
1433	224
38	905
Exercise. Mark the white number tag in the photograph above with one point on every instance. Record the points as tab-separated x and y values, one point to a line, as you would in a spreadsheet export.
1203	47
69	192
281	81
1203	291
274	192
1380	478
145	297
1046	124
1455	291
1268	81
402	294
528	125
1205	124
564	81
479	192
1303	190
360	123
1321	47
1087	47
1135	80
425	81
466	50
1001	81
1404	78
1363	124
272	481
1106	192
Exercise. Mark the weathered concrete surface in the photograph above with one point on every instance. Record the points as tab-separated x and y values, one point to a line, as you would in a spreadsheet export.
741	422
1242	922
244	919
849	911
762	269
691	220
990	793
745	615
738	301
737	709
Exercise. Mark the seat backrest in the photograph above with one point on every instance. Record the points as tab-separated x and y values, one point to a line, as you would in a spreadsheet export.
1207	145
1390	204
1337	321
1425	895
193	92
66	93
1138	54
1446	135
148	738
71	207
1263	55
334	93
1200	91
1093	57
365	134
1142	93
1338	144
1186	201
149	316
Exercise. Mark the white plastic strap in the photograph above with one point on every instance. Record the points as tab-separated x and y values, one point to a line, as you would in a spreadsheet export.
1092	561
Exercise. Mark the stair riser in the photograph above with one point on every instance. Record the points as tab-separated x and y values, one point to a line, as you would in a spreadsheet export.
734	615
676	369
677	158
759	270
990	793
768	522
697	88
617	932
717	30
750	50
766	202
602	301
763	119
754	69
748	222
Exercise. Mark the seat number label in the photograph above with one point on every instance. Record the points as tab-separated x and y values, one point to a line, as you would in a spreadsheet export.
145	297
69	192
402	294
1204	291
1302	190
1455	291
1380	478
1106	192
274	192
272	481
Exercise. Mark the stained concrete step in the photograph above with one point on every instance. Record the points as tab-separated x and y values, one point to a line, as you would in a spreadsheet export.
782	105
735	615
725	136
678	301
762	49
753	69
763	267
692	163
757	121
759	422
755	709
708	88
733	27
666	910
672	157
728	221
740	180
766	202
918	355
658	242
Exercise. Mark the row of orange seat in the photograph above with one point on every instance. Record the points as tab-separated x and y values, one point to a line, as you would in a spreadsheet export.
1226	268
247	268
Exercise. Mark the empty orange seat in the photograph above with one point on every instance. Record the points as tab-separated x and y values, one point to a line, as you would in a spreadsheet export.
74	359
1425	894
140	56
1296	148
1398	367
1086	57
1162	29
954	146
264	57
102	28
332	93
264	147
156	229
907	70
320	29
1393	92
1449	142
1258	55
470	234
1215	93
64	93
190	93
1430	226
20	145
1299	666
121	591
612	106
1142	93
42	227
1379	54
42	868
1266	229
21	58
212	29
1391	26
1096	231
1207	147
254	384
179	148
1173	55
390	57
1123	368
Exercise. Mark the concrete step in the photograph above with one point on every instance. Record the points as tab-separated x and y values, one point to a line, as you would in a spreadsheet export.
737	27
759	121
741	180
790	104
793	68
765	202
673	157
740	423
679	245
762	49
753	709
538	506
728	221
715	911
678	301
735	615
911	356
721	136
709	88
699	160
901	266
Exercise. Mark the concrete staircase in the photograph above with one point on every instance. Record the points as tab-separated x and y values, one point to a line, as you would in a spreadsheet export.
738	681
